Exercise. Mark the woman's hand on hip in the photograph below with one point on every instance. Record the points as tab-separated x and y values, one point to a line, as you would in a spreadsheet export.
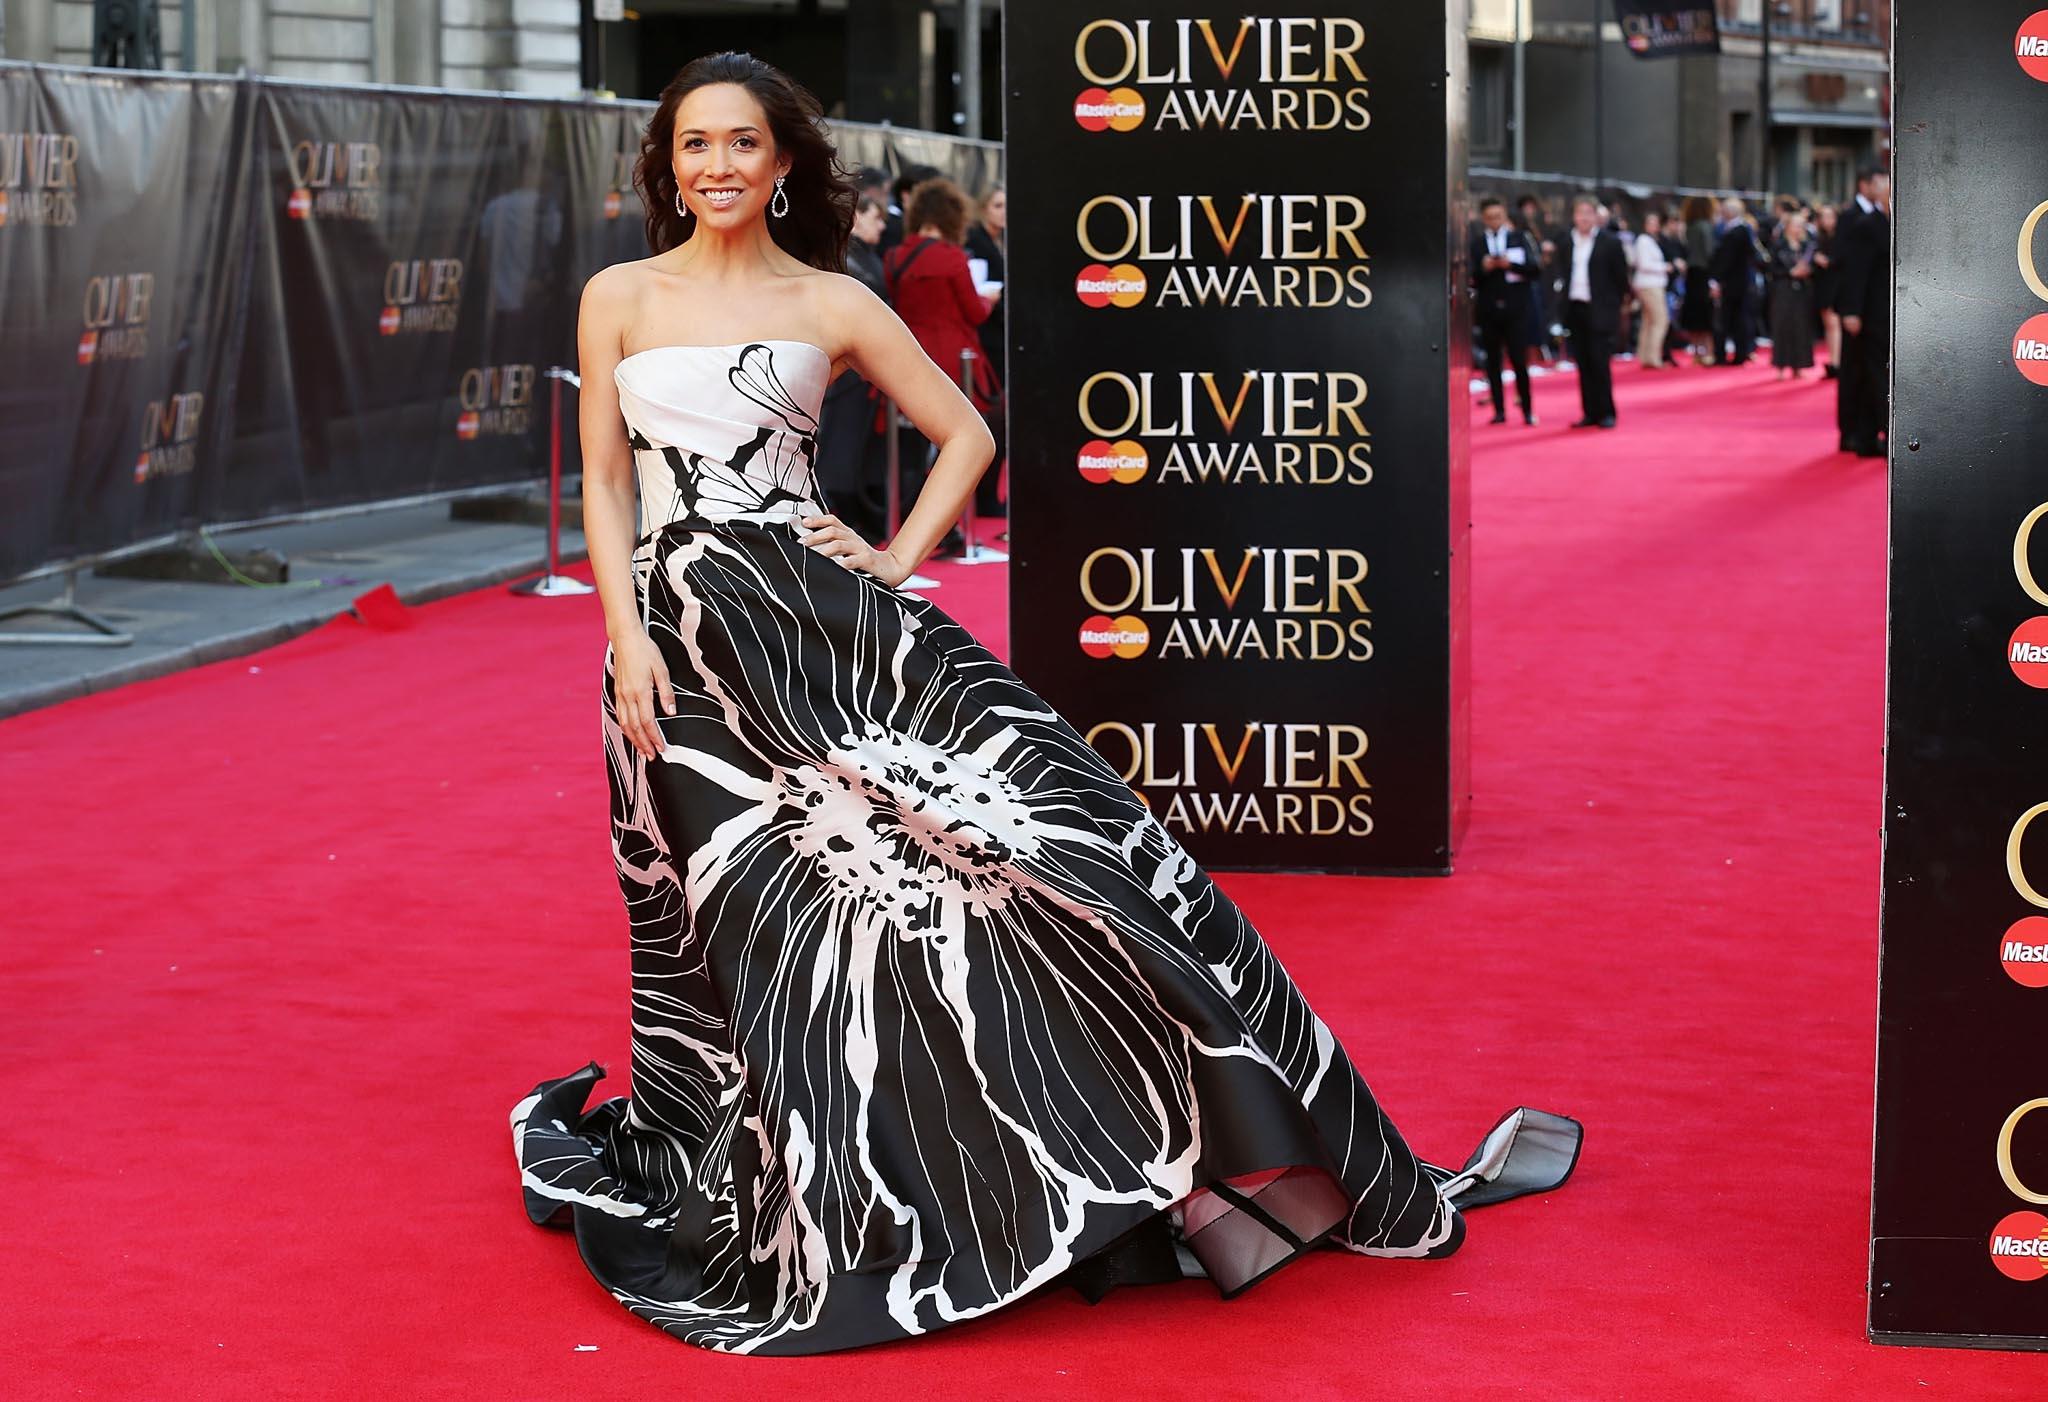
833	538
639	672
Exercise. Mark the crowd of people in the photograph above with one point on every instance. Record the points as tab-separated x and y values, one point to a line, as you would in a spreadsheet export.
1711	280
936	256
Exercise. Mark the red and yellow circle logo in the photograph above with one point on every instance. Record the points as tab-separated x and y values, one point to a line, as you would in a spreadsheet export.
2019	1245
300	204
1112	109
2030	348
1124	636
2030	45
88	347
387	321
1122	461
2023	950
1120	286
142	467
2027	652
466	425
3	209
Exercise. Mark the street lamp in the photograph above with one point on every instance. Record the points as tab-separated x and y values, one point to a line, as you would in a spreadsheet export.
1769	8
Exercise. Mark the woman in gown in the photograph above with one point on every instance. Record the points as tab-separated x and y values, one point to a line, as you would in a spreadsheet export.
928	1011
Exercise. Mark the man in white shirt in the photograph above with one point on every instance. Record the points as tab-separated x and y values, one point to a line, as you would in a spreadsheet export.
1593	297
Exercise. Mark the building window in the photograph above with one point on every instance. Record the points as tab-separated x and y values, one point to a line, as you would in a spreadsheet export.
1488	136
1825	14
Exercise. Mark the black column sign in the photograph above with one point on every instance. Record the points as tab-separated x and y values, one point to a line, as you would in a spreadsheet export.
1959	1225
1238	415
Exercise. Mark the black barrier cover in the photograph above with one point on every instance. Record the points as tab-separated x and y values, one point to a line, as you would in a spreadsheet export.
409	283
1238	416
1961	1165
1660	29
116	194
231	299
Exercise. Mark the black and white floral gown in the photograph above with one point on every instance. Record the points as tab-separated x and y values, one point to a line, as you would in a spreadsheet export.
928	1009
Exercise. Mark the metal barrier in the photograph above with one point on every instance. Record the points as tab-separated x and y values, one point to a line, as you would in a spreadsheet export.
66	605
552	583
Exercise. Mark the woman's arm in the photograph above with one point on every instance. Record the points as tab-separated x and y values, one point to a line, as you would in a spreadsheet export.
877	344
610	507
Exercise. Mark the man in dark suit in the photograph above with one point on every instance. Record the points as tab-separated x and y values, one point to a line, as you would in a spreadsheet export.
1596	283
1729	274
1863	243
1503	262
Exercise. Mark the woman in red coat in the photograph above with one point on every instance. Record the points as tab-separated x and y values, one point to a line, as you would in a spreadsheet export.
933	291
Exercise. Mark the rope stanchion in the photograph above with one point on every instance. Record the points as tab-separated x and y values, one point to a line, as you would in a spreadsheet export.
553	584
971	551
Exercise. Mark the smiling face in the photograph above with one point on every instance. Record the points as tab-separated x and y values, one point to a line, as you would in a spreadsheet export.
724	155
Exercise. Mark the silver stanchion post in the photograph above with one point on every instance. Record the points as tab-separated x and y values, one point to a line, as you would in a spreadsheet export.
553	583
972	552
893	488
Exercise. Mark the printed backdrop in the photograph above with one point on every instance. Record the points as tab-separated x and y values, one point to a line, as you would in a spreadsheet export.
1237	362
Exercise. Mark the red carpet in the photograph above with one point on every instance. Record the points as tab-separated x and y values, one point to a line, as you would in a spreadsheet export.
288	935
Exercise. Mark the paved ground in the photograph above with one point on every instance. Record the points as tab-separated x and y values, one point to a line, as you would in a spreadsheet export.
417	550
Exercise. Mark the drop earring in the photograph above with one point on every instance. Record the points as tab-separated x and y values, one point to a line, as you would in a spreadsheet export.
681	213
780	194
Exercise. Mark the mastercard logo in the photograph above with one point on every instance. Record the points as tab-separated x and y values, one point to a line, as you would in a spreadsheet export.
1113	109
142	468
2019	1245
88	347
2030	46
387	321
465	427
611	204
2023	950
1121	286
2027	652
1126	636
2030	348
1122	461
300	204
3	208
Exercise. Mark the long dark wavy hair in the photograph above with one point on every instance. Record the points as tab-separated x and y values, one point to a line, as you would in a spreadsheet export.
821	191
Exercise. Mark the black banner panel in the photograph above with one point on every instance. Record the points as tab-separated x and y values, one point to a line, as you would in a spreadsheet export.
1238	416
1959	1223
409	284
116	194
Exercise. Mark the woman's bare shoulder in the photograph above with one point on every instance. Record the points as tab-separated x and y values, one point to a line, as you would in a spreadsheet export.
617	281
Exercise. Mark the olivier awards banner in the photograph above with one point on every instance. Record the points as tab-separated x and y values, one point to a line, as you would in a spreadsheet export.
116	193
1959	1222
1237	373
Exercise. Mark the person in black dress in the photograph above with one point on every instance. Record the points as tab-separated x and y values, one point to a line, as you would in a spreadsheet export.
1503	262
1696	306
852	454
1827	281
1792	297
1596	282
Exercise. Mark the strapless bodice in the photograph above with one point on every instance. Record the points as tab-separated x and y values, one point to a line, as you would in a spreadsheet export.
724	433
